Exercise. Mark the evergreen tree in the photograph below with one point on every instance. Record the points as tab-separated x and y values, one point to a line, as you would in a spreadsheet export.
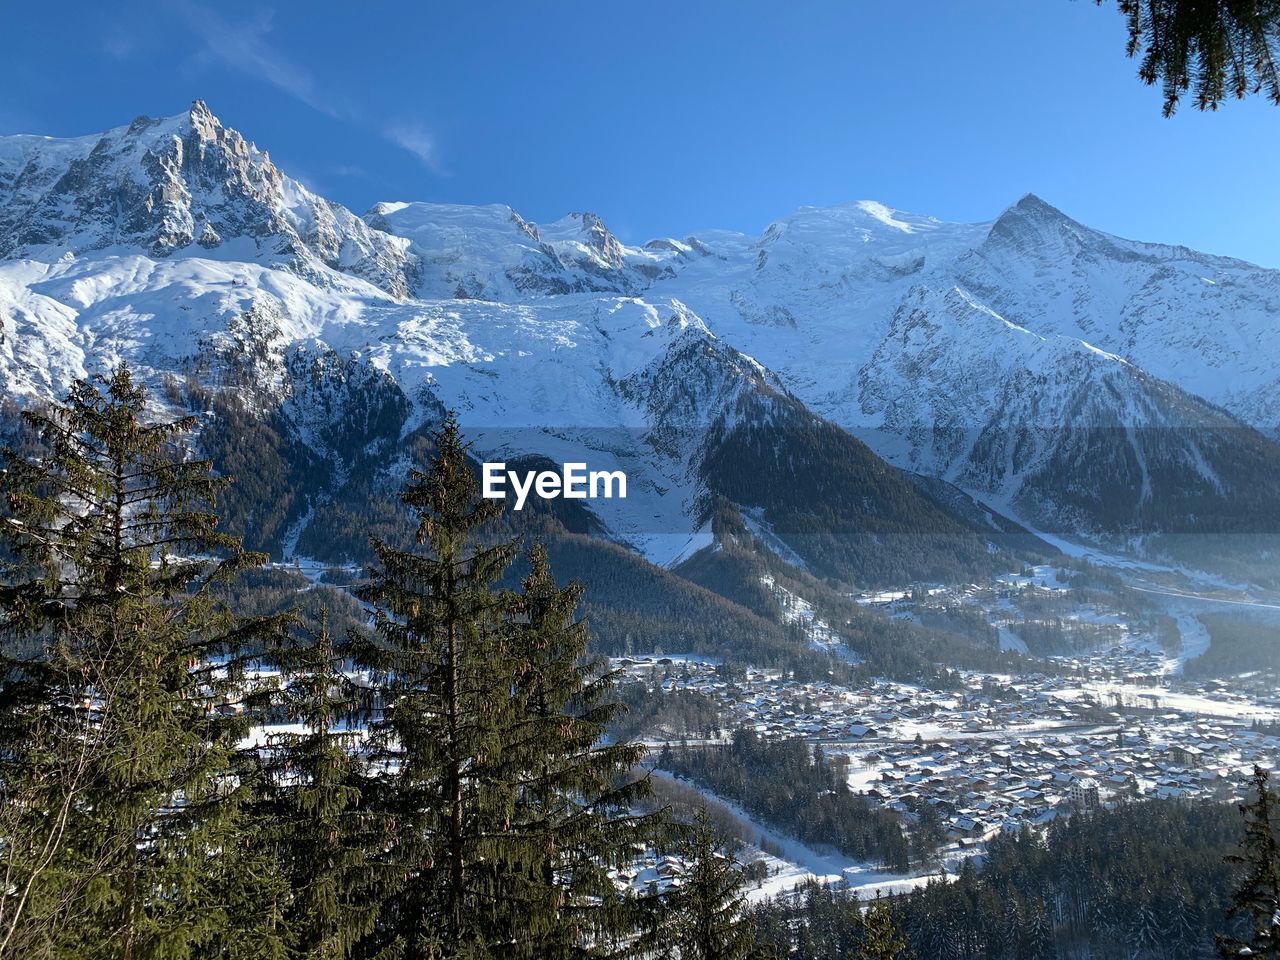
1256	902
772	932
123	692
326	837
1181	922
1040	933
1147	939
881	939
1009	925
507	812
444	709
575	798
1224	48
709	921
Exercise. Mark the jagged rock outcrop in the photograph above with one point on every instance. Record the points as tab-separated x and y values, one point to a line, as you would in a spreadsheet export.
163	186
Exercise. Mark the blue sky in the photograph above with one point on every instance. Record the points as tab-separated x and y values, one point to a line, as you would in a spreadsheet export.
667	117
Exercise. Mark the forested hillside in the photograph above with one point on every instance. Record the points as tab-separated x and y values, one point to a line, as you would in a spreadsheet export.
1147	880
201	760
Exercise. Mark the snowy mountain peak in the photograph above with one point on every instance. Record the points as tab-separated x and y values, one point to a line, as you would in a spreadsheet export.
582	235
201	116
1032	205
167	185
1032	220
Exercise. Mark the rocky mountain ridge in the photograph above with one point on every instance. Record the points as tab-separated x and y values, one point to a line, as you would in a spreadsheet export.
1090	386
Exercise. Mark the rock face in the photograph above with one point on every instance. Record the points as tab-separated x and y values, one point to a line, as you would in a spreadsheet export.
1085	384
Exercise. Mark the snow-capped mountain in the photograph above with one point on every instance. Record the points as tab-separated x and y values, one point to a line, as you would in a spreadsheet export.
1087	384
1071	435
492	253
1205	323
178	184
1081	381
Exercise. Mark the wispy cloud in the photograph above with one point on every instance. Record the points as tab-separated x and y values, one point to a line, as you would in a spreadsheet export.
244	47
417	141
118	44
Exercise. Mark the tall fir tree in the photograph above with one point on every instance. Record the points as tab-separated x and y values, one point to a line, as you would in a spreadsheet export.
881	939
121	703
710	922
443	685
314	808
509	813
576	796
1256	902
1040	944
